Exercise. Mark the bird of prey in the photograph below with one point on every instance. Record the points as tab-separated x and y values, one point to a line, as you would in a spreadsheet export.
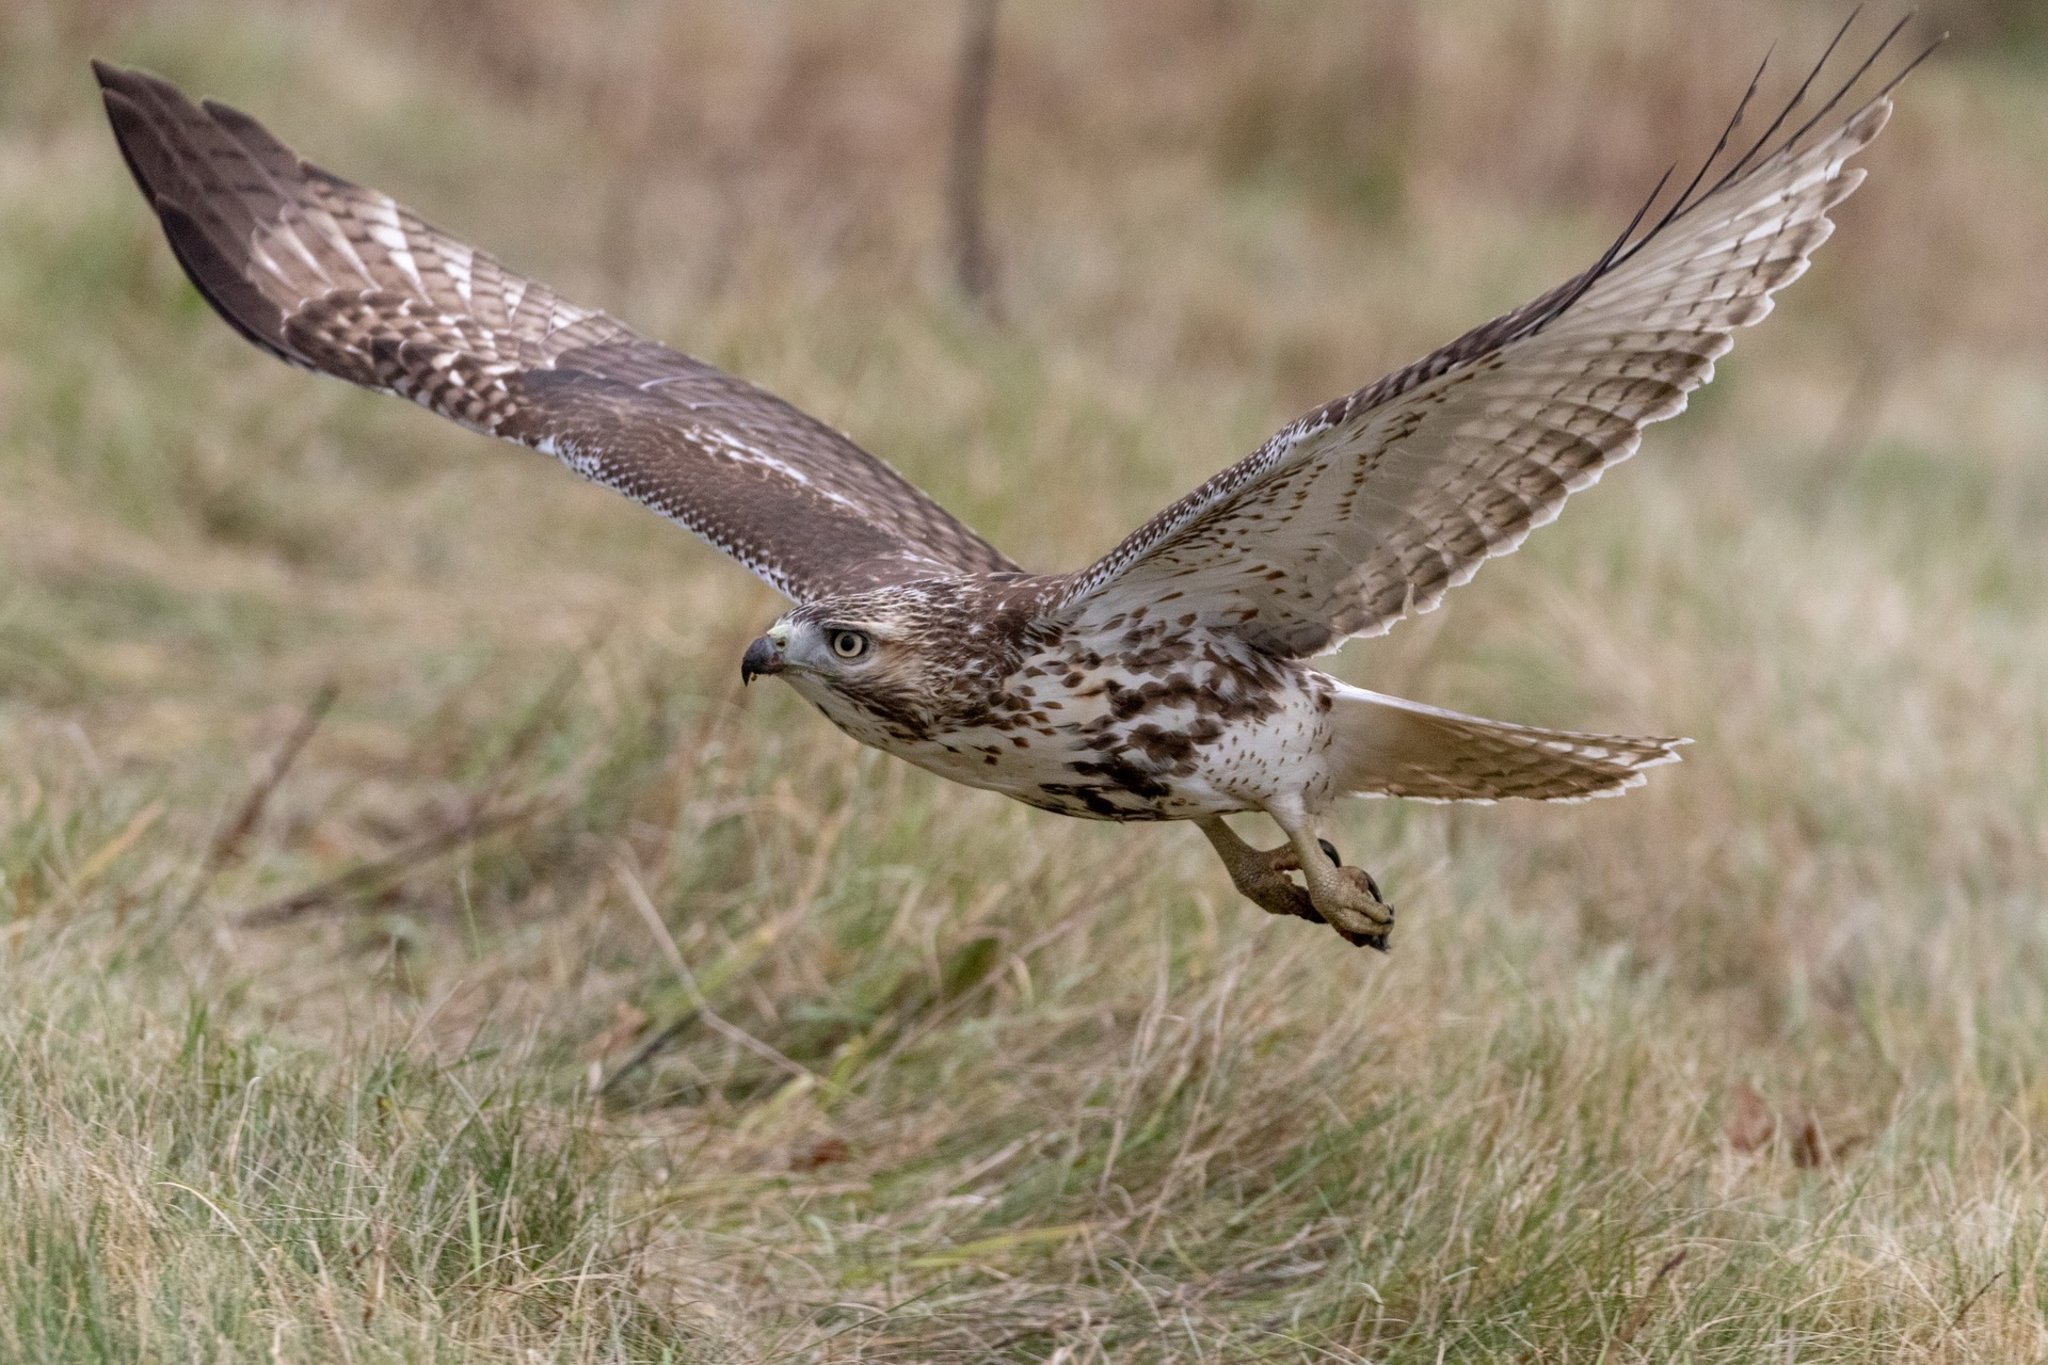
1170	679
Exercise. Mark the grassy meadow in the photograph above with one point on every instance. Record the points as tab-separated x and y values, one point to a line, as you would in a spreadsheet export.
415	946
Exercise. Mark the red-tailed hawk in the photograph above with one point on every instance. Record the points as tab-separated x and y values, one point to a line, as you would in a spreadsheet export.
1167	681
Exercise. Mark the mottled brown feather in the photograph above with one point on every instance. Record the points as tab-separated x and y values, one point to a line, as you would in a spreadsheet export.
344	280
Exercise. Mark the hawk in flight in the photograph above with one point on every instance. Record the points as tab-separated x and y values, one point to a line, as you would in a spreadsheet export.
1169	680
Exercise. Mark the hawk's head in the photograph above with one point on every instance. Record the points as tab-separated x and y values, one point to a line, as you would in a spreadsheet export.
905	660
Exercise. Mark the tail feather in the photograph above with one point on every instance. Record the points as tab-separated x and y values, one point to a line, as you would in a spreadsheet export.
1390	747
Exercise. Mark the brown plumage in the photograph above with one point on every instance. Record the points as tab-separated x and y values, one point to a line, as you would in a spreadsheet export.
341	279
1164	682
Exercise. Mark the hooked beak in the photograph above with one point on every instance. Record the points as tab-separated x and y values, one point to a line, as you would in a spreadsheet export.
762	656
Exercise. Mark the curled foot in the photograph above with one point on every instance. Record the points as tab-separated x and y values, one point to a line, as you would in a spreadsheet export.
1347	899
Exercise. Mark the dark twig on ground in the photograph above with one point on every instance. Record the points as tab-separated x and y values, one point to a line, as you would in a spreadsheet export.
478	823
227	844
1639	1316
647	1050
481	816
1971	1302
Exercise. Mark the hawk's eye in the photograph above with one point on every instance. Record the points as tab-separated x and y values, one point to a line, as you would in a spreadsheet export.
849	645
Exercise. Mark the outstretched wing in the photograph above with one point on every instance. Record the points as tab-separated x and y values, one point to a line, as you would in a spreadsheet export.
1377	504
344	280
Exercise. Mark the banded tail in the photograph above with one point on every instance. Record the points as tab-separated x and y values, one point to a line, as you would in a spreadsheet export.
1390	747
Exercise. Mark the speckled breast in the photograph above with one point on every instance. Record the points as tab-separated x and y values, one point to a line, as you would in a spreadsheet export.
1167	728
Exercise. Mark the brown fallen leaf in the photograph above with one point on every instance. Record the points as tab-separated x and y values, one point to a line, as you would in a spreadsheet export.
823	1152
1809	1145
1751	1124
1813	1146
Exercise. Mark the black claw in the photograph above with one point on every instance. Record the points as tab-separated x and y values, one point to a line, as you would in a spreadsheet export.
1330	852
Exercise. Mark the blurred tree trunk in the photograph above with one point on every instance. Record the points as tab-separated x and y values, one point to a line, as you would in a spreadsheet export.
972	257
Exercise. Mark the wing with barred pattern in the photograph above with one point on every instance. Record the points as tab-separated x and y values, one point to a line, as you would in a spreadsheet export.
1377	504
341	279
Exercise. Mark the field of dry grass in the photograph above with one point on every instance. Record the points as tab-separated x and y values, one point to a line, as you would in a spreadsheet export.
1750	1065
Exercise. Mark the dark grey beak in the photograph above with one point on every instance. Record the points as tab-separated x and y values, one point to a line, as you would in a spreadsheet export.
761	657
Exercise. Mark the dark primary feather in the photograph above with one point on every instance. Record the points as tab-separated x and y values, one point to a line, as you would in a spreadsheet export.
341	279
1375	505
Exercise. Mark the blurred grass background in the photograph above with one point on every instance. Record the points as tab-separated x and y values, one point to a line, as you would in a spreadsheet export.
945	1078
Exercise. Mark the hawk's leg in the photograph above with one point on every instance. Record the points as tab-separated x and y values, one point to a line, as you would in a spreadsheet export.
1260	875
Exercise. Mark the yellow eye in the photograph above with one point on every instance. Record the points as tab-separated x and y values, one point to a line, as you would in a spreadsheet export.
849	644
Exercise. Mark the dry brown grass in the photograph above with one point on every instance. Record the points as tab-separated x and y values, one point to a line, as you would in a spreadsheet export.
964	1081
